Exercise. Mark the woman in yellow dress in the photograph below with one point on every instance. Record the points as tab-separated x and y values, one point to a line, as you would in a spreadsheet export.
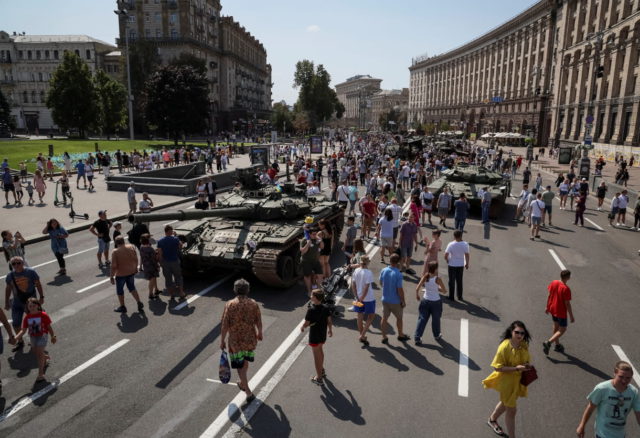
510	360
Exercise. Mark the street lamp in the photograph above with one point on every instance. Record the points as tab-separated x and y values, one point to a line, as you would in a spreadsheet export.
123	14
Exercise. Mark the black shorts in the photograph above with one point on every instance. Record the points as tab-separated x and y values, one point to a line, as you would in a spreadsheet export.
622	210
211	197
313	267
9	188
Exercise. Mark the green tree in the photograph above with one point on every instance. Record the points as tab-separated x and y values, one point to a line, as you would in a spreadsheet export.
176	100
301	122
112	103
72	97
187	59
281	117
316	97
5	112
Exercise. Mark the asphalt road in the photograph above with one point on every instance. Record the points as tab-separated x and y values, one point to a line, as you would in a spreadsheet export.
155	375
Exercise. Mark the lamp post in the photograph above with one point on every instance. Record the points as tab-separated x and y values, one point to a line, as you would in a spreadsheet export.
123	14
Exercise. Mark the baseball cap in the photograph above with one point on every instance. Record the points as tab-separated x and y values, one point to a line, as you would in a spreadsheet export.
101	212
116	223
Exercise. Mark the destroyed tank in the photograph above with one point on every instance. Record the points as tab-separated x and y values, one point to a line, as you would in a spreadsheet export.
469	180
254	228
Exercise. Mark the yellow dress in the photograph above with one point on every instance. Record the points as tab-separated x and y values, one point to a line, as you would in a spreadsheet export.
508	384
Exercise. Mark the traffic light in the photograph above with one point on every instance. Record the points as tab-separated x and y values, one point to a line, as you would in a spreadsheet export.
600	71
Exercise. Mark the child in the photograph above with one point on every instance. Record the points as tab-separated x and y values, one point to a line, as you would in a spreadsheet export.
23	171
39	325
30	193
117	229
352	232
18	185
318	317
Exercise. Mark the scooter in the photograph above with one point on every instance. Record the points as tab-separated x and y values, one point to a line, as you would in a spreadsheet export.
73	214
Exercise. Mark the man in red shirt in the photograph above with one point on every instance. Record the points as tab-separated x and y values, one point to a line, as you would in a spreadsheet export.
369	211
558	305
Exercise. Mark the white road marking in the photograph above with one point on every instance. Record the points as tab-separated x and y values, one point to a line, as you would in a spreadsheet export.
218	381
463	376
625	358
233	408
55	260
169	223
84	289
203	292
594	224
26	401
557	259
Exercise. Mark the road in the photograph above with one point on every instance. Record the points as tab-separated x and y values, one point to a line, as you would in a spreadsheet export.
154	375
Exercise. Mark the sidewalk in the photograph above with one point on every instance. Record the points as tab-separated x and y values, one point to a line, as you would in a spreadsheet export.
31	219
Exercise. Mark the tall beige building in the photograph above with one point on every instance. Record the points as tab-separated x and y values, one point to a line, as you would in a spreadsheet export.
237	69
386	100
26	65
541	73
355	94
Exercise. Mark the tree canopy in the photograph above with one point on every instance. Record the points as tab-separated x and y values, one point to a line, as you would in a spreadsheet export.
112	103
176	100
281	117
5	112
316	97
72	97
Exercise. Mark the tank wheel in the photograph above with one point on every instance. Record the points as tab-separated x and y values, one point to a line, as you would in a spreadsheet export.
287	270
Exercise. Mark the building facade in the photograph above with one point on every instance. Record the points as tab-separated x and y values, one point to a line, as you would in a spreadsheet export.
26	65
355	94
497	82
386	100
237	70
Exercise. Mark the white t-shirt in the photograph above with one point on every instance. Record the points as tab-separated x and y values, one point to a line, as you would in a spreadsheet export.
456	251
622	201
386	227
537	207
343	193
397	211
361	277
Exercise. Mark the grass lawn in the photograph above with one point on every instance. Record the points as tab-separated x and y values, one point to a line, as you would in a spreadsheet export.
27	150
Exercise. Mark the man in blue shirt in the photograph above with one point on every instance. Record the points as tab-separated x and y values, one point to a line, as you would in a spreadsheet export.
22	284
80	167
392	298
169	252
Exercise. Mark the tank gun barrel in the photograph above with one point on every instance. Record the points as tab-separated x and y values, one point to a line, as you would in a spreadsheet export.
185	215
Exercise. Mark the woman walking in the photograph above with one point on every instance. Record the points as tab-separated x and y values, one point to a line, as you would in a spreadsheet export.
430	303
64	185
150	265
58	236
564	192
385	231
38	324
242	322
601	192
581	207
318	318
511	359
326	235
40	184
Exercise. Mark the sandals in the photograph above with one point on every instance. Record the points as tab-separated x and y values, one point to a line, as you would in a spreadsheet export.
318	382
495	427
364	341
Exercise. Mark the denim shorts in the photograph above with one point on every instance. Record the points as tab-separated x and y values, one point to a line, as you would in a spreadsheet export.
103	246
39	341
121	281
536	220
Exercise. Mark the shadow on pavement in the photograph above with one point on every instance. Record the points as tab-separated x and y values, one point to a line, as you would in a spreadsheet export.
42	400
480	247
60	280
189	357
384	356
572	360
184	311
157	307
23	361
416	358
339	406
276	423
448	351
131	324
553	243
473	309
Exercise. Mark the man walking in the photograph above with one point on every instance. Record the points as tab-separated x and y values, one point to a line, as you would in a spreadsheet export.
612	400
131	198
536	211
457	256
393	301
361	286
558	306
444	205
100	229
485	203
169	254
124	266
22	284
547	198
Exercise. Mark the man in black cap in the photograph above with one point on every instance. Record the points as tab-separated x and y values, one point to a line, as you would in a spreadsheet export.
100	229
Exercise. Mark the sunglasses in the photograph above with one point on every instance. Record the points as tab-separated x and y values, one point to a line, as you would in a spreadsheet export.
16	263
518	332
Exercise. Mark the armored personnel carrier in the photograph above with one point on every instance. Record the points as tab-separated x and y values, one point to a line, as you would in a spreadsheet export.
469	180
256	227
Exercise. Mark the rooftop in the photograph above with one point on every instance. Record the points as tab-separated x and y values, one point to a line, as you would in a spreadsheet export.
57	39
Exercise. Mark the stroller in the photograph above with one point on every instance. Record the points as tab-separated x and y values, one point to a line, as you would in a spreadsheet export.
333	285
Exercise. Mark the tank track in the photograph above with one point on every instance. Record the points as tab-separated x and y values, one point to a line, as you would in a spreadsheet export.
265	266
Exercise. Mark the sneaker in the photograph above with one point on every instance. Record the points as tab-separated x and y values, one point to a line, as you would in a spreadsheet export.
417	341
403	338
617	224
437	338
546	345
140	306
559	348
386	340
120	309
351	309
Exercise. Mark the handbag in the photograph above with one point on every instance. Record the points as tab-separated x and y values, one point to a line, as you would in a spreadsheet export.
64	250
528	376
224	371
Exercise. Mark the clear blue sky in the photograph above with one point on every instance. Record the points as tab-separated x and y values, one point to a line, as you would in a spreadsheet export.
376	37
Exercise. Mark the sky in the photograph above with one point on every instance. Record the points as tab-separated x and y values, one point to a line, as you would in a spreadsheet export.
349	37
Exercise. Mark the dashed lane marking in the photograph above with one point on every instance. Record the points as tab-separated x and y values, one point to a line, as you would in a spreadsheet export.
557	259
594	224
84	289
463	375
203	292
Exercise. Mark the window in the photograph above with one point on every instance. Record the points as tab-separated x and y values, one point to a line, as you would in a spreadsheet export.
40	77
77	52
174	34
173	18
158	33
38	54
46	54
158	17
20	54
147	33
132	34
42	97
28	54
33	97
132	18
147	17
108	68
88	52
55	54
25	97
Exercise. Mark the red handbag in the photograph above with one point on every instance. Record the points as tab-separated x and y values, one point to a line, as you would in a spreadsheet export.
528	376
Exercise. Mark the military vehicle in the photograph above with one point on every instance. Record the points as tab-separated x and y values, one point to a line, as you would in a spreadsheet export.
255	227
469	180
